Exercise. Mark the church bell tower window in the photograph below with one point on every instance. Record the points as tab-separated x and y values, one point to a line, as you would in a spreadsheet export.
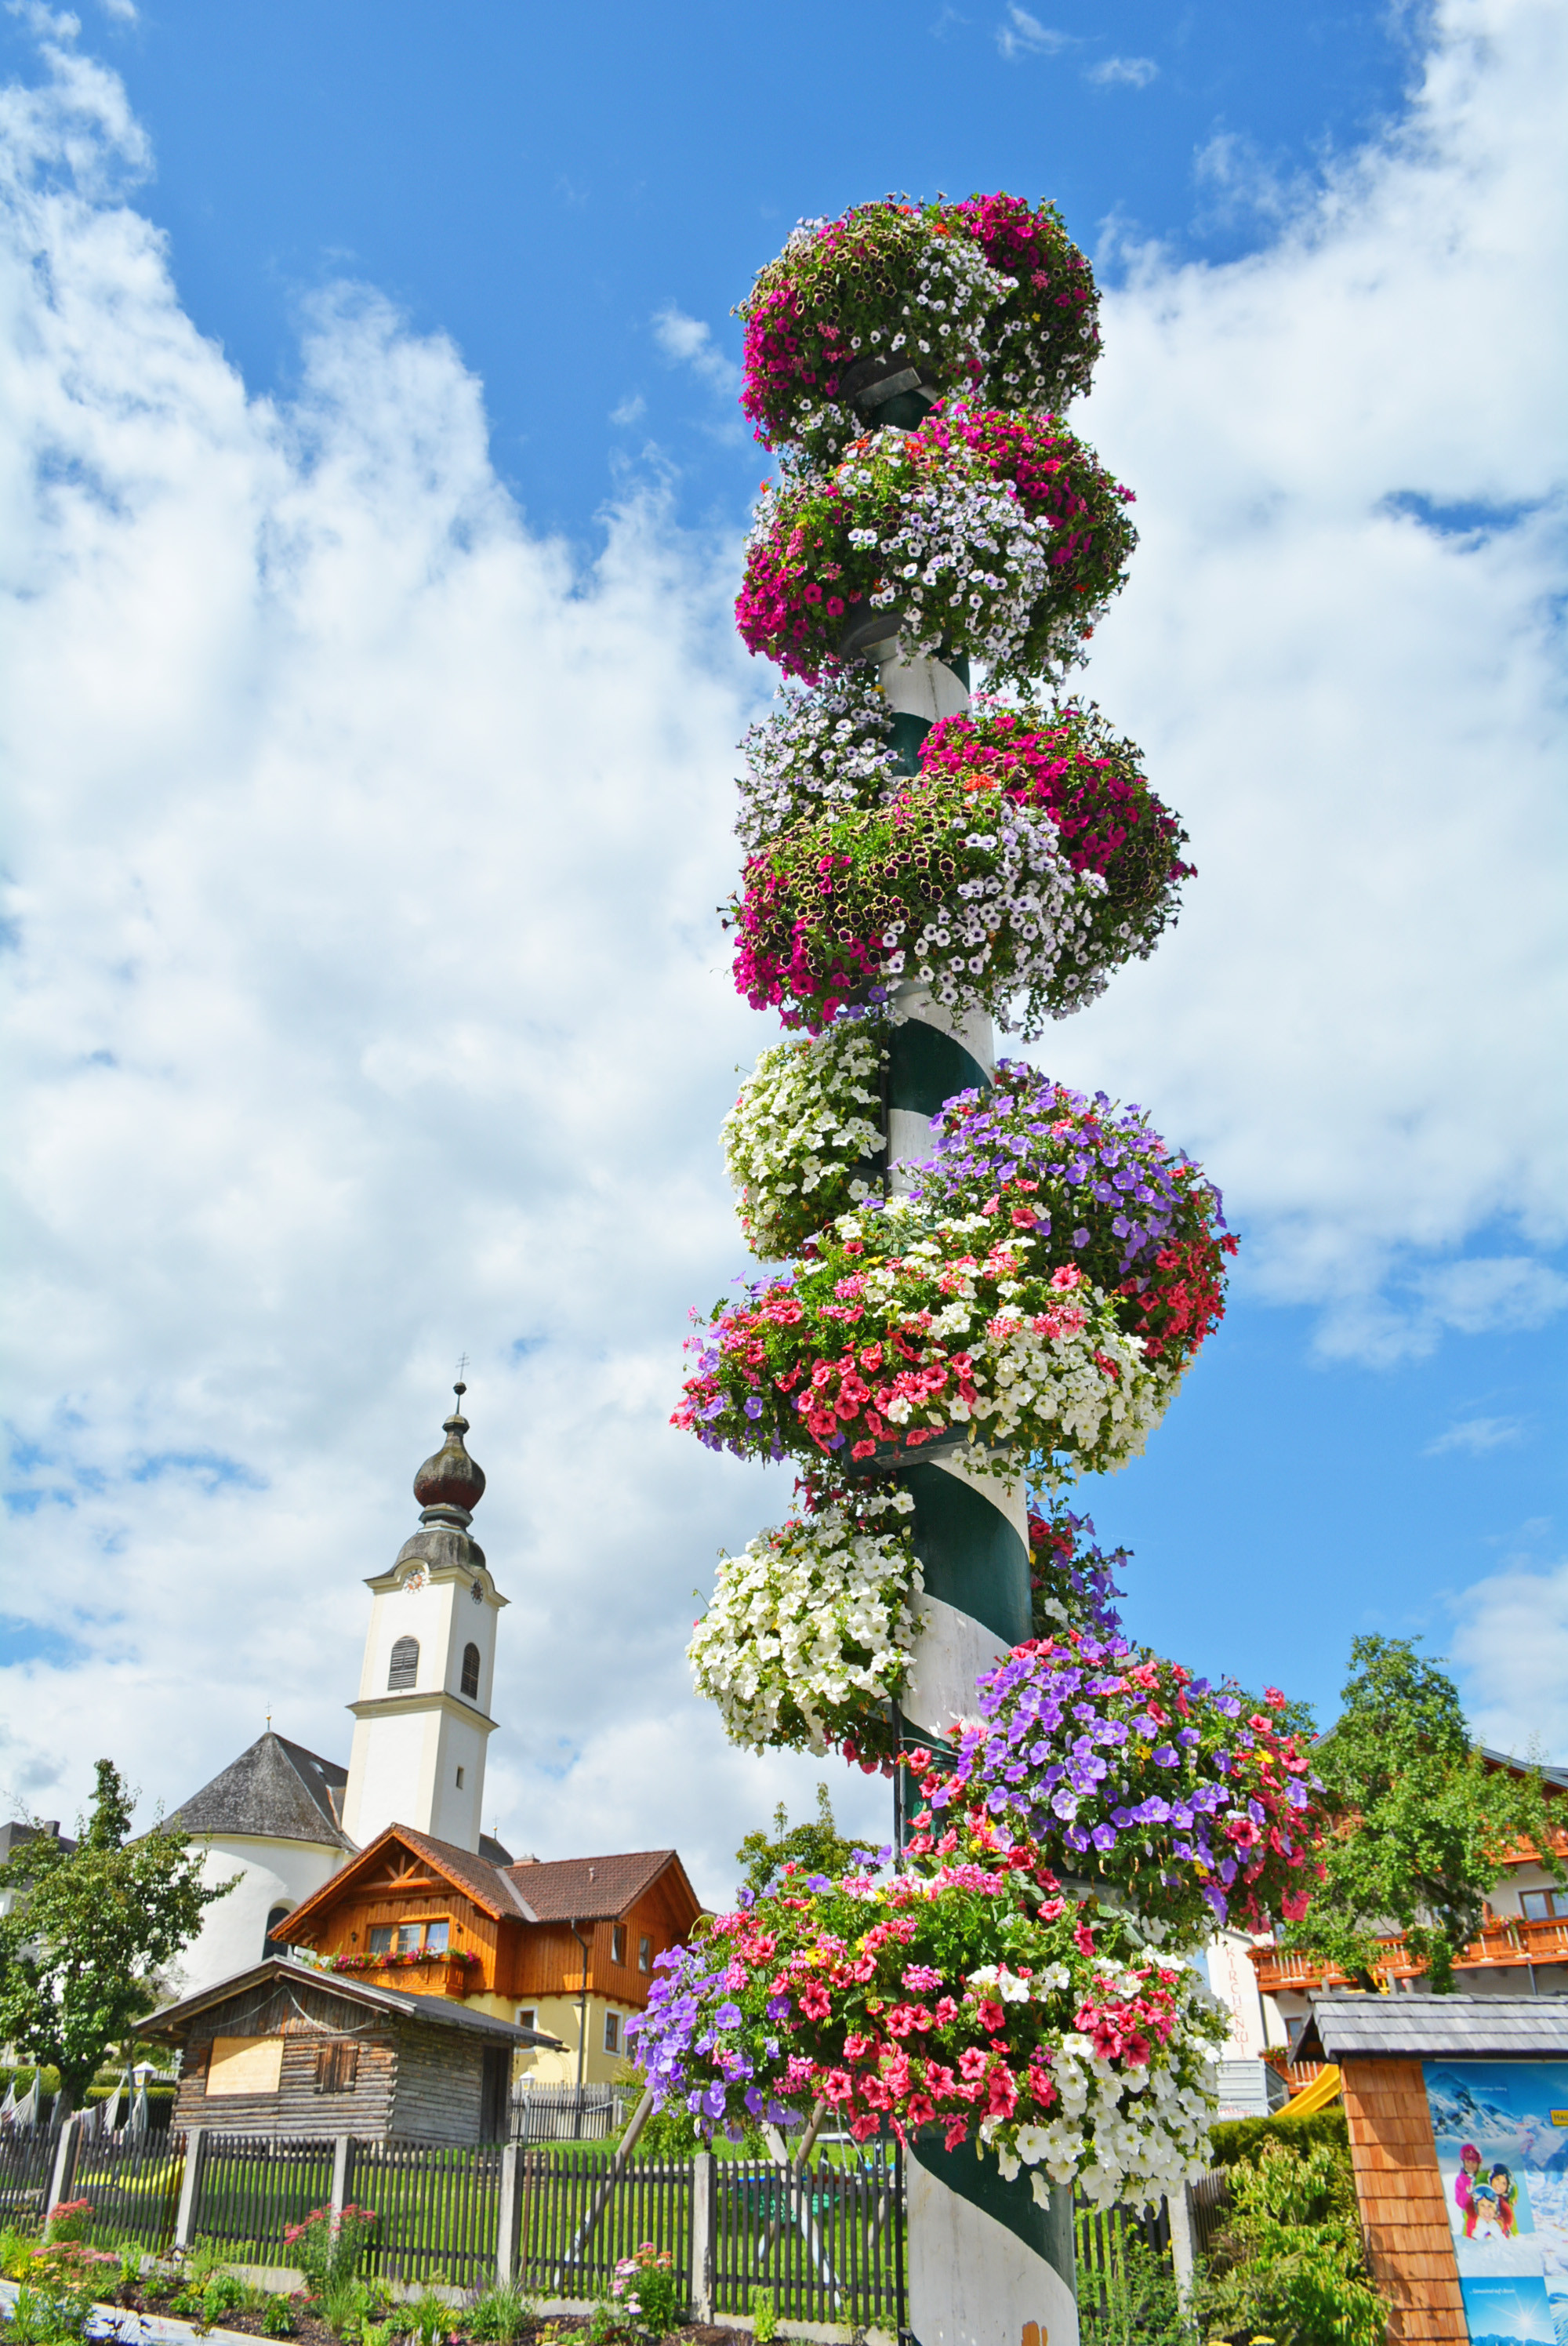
470	1679
404	1668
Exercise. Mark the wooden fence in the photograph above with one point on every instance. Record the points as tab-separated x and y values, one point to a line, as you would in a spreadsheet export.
575	2224
439	2210
248	2190
825	2244
132	2183
26	2163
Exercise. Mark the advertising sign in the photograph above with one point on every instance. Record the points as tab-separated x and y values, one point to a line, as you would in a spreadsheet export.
1502	2135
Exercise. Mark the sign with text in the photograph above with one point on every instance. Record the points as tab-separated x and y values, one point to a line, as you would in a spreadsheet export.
1501	2133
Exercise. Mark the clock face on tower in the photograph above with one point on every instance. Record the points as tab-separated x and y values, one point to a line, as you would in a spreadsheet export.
417	1579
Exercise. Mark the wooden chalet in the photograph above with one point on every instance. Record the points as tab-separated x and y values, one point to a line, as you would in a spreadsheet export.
281	2049
565	1948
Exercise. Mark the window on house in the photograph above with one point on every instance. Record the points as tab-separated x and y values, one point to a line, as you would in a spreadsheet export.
617	1942
409	1938
274	1944
645	1953
612	2031
384	1939
337	2068
404	1666
470	1679
1544	1905
527	2016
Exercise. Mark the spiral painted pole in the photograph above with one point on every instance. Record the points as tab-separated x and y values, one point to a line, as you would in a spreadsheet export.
987	2262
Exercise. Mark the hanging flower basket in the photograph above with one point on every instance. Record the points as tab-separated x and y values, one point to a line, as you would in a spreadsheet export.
1091	1183
1072	1582
972	896
816	753
1194	1802
906	1331
979	2004
996	536
889	287
803	1141
1066	762
1042	337
809	1635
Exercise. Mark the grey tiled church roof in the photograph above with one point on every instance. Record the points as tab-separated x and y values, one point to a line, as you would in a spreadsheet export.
1436	2027
277	1790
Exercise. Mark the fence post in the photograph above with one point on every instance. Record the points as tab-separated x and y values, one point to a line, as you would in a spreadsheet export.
704	2234
64	2166
343	2162
1179	2204
509	2213
190	2186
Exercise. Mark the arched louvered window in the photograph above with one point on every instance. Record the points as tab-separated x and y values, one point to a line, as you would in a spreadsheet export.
404	1666
470	1681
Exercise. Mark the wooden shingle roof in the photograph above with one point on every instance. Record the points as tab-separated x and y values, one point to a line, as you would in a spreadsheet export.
275	1791
1435	2028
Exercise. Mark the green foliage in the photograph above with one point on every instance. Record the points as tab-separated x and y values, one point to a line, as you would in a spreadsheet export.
1424	1825
1289	2263
1235	2138
131	2255
817	1846
91	1928
763	2316
225	2294
48	2315
500	2315
1135	2304
329	2253
17	2247
426	2317
276	2317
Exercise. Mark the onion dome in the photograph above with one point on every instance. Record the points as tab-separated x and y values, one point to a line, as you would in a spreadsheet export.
450	1484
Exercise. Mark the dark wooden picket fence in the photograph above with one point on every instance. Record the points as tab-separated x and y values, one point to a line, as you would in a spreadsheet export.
438	2210
578	2223
251	2189
825	2244
26	2163
132	2183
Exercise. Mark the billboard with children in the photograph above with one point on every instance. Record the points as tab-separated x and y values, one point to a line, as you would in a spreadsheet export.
1502	2135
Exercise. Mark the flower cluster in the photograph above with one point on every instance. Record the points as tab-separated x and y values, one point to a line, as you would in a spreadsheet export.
987	534
1186	1800
1072	1583
817	753
1092	1183
1066	762
975	900
972	2000
801	1143
811	1629
1042	337
405	1960
889	287
906	1330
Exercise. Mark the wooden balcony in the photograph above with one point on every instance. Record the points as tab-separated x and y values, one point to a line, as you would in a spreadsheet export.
1512	1945
1298	2074
445	1975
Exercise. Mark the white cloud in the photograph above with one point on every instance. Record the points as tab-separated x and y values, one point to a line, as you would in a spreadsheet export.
1476	1435
1349	691
1023	36
1511	1640
630	409
368	1005
1125	73
688	342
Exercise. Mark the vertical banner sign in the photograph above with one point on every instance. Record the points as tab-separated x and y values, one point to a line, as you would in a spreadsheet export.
1501	2133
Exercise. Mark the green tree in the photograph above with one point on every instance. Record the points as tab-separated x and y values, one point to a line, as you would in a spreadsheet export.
89	1933
1289	2263
1421	1824
819	1846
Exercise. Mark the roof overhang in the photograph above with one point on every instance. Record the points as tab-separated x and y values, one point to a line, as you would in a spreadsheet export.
443	2011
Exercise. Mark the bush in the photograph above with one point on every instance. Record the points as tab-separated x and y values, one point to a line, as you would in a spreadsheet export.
329	2250
1238	2138
500	2315
1136	2305
647	2287
1289	2263
277	2319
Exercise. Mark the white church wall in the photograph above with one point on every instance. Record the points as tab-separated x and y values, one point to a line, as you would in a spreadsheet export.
269	1874
391	1765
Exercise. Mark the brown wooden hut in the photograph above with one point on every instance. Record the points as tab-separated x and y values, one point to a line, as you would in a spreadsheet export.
283	2049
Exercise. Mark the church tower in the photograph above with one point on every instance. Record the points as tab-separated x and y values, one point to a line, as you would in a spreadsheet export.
422	1719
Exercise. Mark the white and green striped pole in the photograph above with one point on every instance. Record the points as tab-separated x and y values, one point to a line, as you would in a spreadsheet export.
987	2264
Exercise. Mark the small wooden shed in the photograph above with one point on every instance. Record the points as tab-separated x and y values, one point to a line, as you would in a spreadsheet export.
284	2049
1458	2114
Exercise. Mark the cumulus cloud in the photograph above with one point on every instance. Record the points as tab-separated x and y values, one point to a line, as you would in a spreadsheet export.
1352	700
367	1004
1511	1640
1123	73
688	342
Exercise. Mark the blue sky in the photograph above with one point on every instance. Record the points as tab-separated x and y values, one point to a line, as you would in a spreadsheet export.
374	487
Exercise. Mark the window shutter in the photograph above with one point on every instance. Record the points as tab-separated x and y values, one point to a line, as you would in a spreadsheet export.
337	2068
404	1666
